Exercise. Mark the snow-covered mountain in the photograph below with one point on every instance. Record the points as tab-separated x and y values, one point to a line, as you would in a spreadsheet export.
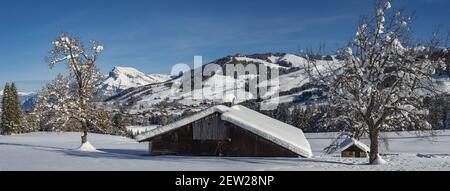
122	78
119	79
26	98
294	86
20	93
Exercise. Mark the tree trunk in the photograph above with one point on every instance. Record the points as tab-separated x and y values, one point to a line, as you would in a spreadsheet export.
373	145
84	138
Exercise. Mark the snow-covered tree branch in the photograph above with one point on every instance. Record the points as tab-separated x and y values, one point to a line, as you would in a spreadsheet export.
384	78
75	94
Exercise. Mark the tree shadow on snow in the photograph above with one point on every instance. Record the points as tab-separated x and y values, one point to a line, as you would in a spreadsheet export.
103	153
141	153
39	147
265	160
130	154
108	153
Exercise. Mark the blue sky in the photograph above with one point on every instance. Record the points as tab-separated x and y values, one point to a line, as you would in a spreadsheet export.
154	35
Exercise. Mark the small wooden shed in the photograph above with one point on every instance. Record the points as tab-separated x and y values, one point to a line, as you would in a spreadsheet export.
228	131
352	148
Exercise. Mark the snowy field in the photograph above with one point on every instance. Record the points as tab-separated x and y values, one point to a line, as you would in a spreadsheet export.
53	151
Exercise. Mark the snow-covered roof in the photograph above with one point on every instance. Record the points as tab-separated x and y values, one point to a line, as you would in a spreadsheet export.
351	141
285	135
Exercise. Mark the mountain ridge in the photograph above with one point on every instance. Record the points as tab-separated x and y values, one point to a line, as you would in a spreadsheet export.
121	78
294	85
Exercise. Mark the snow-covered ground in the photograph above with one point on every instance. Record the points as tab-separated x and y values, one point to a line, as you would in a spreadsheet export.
59	151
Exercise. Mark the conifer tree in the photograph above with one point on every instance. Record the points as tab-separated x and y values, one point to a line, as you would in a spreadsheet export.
5	128
16	110
12	113
283	113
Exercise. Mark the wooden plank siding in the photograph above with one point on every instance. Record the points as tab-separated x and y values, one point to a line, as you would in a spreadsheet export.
210	128
247	144
354	152
213	137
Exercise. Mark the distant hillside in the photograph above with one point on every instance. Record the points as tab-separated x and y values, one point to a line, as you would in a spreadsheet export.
294	86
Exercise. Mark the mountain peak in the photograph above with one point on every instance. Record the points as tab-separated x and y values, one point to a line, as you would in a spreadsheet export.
125	70
121	78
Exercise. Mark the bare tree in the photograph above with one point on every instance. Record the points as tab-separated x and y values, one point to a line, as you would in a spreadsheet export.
83	76
383	78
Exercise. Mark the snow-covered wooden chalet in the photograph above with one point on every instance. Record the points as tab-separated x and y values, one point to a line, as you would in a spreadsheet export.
352	148
228	131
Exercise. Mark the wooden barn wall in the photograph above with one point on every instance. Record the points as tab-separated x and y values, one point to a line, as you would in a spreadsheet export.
210	128
247	144
195	140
